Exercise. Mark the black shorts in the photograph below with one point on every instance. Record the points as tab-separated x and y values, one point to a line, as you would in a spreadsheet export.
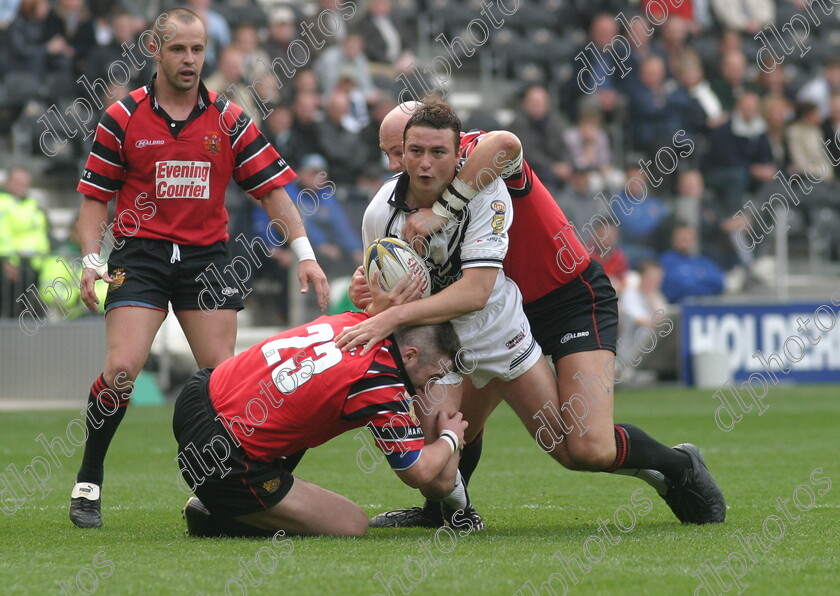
214	467
153	273
580	316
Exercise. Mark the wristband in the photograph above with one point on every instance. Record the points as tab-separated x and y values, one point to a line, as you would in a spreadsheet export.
454	199
302	249
451	438
95	262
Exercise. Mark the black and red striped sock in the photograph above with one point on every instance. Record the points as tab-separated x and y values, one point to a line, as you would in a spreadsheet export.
637	450
106	409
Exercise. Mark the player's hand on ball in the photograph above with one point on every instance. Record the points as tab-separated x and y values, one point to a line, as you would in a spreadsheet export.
409	288
89	277
310	272
359	291
454	422
420	226
367	333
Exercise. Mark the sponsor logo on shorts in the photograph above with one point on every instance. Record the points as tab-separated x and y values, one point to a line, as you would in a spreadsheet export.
228	291
511	343
272	485
148	143
118	277
571	336
182	179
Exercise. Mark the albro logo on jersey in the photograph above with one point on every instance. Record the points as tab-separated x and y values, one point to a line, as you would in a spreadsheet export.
148	143
182	179
498	221
571	336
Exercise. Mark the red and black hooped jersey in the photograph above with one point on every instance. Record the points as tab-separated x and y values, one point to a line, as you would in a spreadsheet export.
169	178
544	251
297	390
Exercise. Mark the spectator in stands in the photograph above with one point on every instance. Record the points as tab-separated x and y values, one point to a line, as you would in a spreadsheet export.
687	273
732	82
831	131
332	234
344	149
27	45
776	112
589	151
610	254
358	116
255	60
124	31
540	130
69	27
643	223
673	38
350	54
282	31
805	144
278	128
306	81
640	306
739	157
819	89
24	240
705	111
231	74
775	82
306	109
747	16
655	109
602	32
694	206
218	32
385	39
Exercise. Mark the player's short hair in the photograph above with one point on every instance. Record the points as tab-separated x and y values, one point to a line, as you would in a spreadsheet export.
180	14
436	114
433	341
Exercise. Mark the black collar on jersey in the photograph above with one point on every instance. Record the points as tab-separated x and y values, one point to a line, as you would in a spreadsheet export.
176	126
394	349
397	200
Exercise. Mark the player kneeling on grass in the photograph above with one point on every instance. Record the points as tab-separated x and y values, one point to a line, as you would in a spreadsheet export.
243	426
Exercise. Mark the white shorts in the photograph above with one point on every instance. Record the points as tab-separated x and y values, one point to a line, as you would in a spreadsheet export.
497	340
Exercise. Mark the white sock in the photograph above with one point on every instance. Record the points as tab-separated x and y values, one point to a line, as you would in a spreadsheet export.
457	499
652	477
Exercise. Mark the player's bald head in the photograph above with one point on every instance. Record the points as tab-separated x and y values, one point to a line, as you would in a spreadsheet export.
391	133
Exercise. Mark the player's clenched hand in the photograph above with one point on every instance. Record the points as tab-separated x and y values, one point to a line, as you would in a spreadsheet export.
359	291
89	277
367	333
424	223
310	271
454	422
409	288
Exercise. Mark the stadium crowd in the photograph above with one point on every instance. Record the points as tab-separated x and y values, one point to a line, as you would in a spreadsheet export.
318	77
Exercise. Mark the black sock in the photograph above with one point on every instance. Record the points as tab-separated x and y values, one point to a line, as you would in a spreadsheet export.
106	409
637	450
470	456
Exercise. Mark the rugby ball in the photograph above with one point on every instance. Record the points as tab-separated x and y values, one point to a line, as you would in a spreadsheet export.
394	259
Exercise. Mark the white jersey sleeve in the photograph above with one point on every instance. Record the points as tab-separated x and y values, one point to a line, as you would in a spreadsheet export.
377	213
486	240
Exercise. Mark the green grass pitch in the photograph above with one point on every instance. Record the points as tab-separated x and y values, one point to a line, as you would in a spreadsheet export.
533	508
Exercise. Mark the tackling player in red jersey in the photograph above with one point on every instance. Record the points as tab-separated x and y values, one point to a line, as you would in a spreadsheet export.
572	308
242	426
166	153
